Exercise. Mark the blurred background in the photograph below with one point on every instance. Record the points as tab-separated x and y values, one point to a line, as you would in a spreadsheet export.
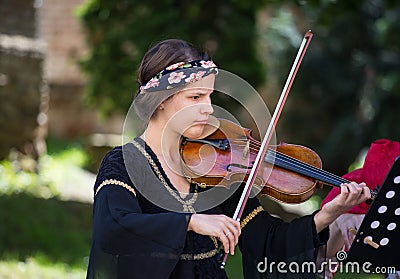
68	76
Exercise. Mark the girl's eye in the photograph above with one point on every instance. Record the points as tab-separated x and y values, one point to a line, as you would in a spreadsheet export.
196	97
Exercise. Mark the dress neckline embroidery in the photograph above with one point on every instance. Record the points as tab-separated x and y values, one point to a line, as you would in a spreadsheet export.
189	200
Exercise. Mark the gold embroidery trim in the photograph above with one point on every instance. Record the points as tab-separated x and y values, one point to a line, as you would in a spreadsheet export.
250	216
115	182
204	255
187	205
213	252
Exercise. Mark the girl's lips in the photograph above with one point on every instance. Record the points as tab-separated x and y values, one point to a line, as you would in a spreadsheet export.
202	122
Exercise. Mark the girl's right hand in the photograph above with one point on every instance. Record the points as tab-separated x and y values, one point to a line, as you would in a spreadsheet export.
223	227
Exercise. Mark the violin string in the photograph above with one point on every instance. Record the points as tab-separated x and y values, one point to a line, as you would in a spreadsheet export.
297	164
296	161
314	170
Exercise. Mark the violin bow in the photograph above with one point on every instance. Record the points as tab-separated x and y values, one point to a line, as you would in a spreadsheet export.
267	138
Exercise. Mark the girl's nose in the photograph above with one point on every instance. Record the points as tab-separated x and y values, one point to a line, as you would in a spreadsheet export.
206	108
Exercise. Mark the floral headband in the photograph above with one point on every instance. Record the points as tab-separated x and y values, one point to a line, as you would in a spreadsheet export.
179	74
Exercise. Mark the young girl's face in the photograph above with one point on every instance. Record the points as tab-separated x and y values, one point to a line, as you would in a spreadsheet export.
187	111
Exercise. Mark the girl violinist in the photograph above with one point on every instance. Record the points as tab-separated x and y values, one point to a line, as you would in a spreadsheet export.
146	222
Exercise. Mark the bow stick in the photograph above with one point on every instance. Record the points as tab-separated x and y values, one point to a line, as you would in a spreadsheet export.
267	138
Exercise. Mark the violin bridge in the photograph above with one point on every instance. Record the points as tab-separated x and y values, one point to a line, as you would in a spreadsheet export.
246	150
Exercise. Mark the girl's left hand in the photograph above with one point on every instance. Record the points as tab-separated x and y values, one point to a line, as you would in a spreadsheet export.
350	195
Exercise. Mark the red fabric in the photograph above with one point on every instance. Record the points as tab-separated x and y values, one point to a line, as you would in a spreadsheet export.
378	161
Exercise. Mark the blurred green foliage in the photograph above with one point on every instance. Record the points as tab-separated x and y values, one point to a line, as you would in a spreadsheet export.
347	91
17	176
120	32
41	235
52	230
35	269
20	181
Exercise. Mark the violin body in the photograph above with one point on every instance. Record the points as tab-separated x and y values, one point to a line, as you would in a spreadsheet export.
290	187
228	154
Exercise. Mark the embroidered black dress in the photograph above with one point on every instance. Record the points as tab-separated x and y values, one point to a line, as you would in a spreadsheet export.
134	238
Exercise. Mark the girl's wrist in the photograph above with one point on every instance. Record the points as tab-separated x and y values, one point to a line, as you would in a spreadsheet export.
323	219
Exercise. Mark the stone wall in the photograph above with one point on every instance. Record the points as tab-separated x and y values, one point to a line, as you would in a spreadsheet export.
69	116
61	30
23	96
41	85
17	17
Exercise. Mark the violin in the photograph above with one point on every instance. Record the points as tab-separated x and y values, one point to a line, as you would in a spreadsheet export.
289	173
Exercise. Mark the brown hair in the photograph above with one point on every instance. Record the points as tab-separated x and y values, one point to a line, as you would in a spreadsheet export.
166	53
